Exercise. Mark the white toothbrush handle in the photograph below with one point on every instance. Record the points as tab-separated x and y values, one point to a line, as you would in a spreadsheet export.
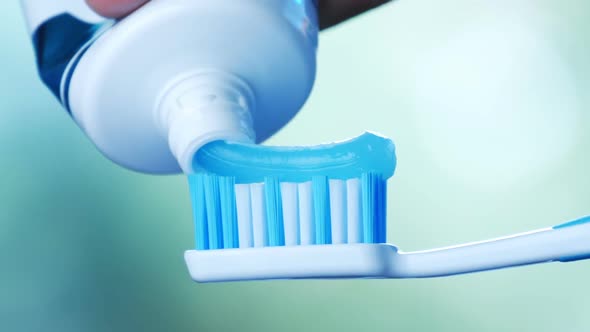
564	243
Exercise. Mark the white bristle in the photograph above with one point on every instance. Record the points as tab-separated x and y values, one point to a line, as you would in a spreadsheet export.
338	211
354	211
244	214
290	213
258	215
305	200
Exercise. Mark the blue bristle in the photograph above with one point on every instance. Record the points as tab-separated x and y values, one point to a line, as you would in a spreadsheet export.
368	207
373	198
274	212
199	215
321	208
229	219
213	211
381	197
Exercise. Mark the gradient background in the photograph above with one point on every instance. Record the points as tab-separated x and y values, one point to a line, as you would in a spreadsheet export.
486	102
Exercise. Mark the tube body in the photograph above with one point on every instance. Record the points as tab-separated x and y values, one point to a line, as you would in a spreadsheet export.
60	31
112	77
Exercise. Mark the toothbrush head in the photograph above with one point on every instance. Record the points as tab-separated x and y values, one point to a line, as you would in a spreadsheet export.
259	211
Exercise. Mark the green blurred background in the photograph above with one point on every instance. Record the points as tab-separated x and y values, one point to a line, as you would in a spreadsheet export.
486	101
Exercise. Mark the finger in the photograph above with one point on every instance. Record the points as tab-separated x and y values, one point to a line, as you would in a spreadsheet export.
333	12
115	8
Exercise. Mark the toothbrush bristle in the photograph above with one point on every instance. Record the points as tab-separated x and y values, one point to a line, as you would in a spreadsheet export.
196	185
274	213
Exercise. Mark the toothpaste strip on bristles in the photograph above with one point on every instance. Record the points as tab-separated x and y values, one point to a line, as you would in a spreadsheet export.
248	196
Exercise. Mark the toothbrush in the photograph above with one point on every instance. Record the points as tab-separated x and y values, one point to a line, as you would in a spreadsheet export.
300	213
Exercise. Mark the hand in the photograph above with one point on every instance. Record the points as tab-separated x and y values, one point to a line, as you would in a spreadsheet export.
332	12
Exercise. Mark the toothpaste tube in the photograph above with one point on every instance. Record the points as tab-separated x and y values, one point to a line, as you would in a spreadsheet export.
153	88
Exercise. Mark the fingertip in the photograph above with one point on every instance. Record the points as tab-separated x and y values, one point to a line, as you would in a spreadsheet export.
115	8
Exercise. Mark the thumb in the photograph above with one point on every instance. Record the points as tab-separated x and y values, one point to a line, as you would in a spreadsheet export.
115	8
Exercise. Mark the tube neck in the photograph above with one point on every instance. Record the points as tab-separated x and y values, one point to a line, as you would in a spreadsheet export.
203	107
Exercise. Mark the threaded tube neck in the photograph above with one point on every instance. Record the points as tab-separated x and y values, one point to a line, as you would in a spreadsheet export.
202	107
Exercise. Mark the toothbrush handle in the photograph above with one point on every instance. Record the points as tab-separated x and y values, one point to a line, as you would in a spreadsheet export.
565	243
